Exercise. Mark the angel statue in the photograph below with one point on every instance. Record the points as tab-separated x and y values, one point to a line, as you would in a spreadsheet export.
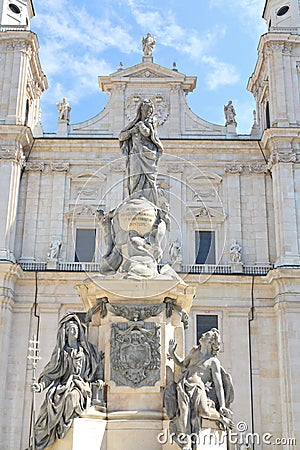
204	390
74	369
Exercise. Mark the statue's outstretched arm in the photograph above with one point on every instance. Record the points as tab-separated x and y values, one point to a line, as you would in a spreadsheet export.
174	356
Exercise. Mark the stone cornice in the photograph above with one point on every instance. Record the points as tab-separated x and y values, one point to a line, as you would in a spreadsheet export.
269	44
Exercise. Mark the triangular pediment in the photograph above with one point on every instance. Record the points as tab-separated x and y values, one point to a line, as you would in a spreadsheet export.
148	71
205	214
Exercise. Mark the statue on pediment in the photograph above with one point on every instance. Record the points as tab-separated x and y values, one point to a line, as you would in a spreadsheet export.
148	43
230	114
64	109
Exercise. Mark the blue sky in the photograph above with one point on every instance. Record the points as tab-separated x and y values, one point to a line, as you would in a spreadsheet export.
215	40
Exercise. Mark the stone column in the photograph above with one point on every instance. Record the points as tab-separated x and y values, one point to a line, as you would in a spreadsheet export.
11	161
287	251
34	170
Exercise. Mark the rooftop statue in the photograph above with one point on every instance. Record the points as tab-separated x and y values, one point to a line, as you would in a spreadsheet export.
148	44
230	114
64	109
204	389
74	365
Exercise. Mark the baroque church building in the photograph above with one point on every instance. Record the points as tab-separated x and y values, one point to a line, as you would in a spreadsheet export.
233	237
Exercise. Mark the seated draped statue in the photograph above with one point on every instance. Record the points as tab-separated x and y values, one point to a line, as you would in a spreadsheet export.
204	390
74	366
142	147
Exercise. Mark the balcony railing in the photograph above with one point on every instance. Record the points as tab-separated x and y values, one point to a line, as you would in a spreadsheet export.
14	28
289	30
185	268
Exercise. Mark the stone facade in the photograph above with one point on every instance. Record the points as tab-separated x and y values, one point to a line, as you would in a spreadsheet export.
243	188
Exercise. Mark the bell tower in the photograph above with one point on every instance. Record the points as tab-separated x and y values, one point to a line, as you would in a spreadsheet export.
280	14
275	81
22	82
16	12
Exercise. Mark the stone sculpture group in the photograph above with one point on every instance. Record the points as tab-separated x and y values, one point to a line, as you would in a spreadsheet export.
75	370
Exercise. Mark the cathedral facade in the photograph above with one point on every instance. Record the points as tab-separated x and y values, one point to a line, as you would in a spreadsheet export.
234	210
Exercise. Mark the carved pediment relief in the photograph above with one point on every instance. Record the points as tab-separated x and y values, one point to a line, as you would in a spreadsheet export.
82	212
147	74
205	214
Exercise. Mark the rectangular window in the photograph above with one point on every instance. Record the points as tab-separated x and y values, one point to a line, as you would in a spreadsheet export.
205	247
205	323
85	244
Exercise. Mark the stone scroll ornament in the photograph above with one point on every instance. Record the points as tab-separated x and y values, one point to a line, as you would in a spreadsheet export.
74	371
135	354
137	313
204	390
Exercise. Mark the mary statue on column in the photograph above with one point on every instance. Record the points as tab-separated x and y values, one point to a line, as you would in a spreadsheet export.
140	143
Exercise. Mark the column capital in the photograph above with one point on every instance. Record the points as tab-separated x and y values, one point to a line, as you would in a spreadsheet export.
13	153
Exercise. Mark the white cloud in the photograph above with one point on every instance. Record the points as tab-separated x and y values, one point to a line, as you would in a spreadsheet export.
221	73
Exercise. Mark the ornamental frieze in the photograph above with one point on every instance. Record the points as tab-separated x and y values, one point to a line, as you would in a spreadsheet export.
234	168
135	354
60	167
35	166
258	167
12	153
282	157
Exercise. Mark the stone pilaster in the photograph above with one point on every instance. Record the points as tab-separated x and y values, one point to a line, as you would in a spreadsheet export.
34	170
234	231
59	171
8	275
11	162
281	164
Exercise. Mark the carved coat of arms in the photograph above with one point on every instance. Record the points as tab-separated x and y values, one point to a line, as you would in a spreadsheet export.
135	355
161	106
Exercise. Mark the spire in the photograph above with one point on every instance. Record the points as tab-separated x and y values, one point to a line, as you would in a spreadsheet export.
16	13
